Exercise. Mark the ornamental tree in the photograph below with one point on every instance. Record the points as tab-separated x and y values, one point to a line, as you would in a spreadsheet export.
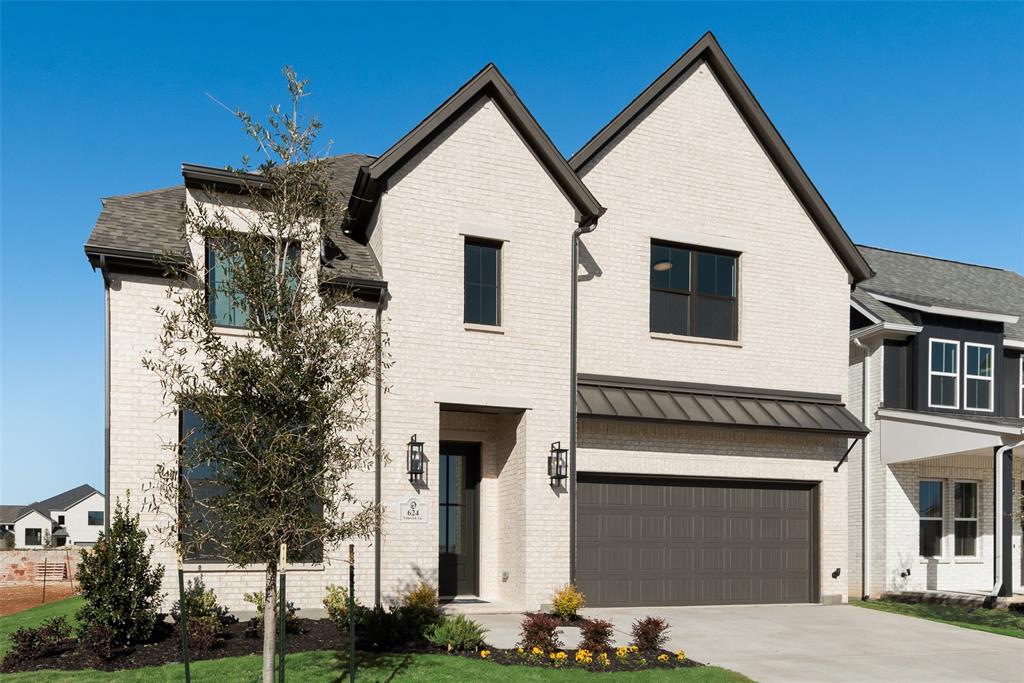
273	412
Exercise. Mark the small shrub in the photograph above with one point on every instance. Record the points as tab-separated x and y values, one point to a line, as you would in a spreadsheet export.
423	596
336	604
540	631
98	641
204	632
380	629
567	602
201	602
596	635
649	634
50	637
120	586
291	621
458	634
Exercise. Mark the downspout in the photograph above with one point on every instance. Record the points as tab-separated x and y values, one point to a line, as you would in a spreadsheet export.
106	393
584	228
377	455
865	472
998	554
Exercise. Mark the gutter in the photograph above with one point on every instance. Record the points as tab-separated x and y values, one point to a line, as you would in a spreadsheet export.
890	330
865	472
997	556
378	455
585	227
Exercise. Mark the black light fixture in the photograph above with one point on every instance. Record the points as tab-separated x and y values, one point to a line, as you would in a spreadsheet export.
558	466
415	459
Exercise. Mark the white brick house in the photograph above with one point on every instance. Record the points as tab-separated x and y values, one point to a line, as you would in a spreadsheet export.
704	465
939	345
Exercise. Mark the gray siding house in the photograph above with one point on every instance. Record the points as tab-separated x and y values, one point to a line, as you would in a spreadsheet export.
699	430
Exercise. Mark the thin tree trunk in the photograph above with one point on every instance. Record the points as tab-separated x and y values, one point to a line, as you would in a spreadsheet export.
269	623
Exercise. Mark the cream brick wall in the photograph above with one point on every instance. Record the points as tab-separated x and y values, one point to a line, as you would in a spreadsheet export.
659	449
691	171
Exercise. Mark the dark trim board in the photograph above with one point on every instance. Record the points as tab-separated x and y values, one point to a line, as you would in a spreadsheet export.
674	543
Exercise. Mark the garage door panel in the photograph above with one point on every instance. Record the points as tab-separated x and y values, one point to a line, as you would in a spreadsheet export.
684	542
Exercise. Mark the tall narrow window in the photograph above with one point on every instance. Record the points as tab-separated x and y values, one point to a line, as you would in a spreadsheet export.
929	501
693	292
965	522
979	385
482	303
943	373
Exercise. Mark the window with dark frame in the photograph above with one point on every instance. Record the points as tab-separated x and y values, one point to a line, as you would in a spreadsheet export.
965	521
929	500
33	536
95	518
693	292
482	301
60	519
223	304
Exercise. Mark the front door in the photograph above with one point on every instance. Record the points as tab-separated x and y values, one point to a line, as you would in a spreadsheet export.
458	518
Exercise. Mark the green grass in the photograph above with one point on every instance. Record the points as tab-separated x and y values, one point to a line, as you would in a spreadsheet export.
999	621
333	666
34	617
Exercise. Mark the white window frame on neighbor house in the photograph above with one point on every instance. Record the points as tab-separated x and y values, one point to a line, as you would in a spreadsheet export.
991	379
977	522
941	519
955	374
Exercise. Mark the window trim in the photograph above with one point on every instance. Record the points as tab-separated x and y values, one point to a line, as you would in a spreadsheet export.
691	292
498	246
941	519
991	379
955	374
975	519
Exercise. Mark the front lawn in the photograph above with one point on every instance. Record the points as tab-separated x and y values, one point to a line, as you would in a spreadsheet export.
999	621
333	666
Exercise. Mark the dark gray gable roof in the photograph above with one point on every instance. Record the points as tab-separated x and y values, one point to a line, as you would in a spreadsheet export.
708	50
489	82
136	229
62	501
932	281
634	399
9	513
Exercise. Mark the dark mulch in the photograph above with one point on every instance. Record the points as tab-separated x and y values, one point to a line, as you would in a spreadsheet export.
633	662
165	647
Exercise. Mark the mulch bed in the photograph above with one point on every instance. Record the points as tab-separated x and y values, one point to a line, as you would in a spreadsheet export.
165	648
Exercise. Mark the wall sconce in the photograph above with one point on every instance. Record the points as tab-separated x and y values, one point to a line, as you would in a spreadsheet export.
415	459
558	466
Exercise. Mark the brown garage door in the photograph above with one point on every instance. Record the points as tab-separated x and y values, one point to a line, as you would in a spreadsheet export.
694	542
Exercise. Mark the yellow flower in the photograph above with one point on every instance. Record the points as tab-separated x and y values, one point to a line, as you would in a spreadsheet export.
633	648
484	654
680	655
662	658
536	651
621	652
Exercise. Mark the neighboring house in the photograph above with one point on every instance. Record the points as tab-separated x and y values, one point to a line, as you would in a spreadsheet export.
75	517
941	345
712	353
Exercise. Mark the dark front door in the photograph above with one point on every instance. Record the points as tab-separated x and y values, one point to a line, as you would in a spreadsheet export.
645	541
458	518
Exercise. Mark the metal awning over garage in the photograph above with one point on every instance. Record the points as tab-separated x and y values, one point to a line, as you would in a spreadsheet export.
622	398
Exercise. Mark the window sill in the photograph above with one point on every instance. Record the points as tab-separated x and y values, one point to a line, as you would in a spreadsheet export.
490	329
969	560
232	331
929	560
696	340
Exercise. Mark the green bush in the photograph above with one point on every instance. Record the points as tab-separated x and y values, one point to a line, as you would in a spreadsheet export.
567	602
380	629
120	586
291	621
458	634
422	595
201	602
50	637
336	604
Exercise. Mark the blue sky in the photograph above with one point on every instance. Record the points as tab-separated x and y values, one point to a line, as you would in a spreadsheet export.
908	117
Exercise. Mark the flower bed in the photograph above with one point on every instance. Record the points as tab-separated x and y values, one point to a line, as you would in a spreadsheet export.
617	659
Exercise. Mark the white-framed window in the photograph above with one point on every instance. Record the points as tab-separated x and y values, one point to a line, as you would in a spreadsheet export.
979	380
943	373
965	518
929	509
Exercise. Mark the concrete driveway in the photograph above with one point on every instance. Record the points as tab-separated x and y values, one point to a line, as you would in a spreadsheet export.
813	643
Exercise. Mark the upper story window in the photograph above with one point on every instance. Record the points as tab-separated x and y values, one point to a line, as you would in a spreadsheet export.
979	384
693	292
60	519
482	302
943	373
95	518
225	301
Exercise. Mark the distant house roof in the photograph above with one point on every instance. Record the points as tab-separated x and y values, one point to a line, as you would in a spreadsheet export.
9	513
62	501
136	230
925	283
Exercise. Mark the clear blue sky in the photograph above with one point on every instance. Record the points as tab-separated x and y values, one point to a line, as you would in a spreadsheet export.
908	117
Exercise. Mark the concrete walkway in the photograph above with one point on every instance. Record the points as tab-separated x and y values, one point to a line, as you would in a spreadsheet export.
812	643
